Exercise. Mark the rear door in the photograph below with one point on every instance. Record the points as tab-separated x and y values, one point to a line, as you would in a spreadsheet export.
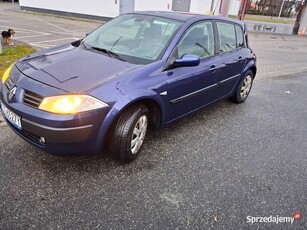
232	55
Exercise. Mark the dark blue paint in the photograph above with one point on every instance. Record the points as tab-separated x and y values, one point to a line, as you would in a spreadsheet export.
178	89
187	60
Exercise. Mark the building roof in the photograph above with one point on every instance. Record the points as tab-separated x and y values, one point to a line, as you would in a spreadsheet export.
184	16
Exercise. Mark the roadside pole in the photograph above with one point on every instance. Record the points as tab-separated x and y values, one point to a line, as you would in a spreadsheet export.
241	13
224	8
298	19
282	6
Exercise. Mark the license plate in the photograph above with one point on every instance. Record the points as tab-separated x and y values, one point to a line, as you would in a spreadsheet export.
11	116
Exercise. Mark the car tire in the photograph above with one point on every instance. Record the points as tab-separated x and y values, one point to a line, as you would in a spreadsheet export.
129	133
244	88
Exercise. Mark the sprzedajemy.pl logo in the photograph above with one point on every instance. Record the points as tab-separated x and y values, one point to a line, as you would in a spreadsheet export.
273	219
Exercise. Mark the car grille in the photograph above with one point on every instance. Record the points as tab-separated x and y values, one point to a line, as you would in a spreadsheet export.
9	84
32	99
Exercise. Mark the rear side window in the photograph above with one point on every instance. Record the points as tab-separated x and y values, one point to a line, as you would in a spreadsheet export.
240	37
227	36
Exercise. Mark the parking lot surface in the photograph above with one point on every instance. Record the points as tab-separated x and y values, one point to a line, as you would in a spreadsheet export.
210	170
44	31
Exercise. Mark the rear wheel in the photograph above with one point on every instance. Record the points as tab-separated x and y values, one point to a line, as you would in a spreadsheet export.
129	133
244	88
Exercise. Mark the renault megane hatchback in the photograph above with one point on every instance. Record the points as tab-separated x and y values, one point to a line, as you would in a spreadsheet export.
138	71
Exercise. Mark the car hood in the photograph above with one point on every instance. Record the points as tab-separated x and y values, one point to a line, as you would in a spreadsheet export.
72	69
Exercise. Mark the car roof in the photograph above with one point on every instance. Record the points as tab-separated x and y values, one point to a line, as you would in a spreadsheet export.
185	17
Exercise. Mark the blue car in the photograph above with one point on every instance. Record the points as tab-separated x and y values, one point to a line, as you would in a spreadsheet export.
138	71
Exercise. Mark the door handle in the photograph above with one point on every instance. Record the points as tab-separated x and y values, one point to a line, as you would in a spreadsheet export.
240	59
213	68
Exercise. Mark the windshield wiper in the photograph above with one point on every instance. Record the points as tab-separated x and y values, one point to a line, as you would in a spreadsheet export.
109	53
208	53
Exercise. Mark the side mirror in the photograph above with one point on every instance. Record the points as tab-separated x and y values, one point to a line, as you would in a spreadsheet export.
187	60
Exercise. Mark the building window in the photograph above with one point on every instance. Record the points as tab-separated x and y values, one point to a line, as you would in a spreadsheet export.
181	5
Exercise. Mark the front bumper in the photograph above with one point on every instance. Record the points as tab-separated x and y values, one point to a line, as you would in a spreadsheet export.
58	135
76	135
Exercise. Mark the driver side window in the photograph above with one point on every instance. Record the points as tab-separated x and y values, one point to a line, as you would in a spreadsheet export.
198	40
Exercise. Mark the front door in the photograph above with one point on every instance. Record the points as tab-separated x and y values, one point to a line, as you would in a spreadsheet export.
190	88
126	6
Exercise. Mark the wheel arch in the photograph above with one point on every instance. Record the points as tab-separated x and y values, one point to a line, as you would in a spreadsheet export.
250	66
254	70
156	114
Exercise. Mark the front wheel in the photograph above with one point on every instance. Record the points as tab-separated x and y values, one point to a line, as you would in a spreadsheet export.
244	88
129	133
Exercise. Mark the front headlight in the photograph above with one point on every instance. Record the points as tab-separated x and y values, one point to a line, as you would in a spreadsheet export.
70	104
7	73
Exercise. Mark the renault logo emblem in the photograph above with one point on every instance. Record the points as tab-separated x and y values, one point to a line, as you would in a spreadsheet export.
12	93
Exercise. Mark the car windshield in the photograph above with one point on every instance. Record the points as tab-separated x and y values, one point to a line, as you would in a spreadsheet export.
139	39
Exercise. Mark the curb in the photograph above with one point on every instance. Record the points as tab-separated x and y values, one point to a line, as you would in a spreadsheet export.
280	74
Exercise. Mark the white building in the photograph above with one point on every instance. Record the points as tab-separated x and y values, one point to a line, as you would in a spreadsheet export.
112	8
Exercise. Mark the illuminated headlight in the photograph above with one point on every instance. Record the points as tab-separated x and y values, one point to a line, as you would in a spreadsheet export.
6	74
70	104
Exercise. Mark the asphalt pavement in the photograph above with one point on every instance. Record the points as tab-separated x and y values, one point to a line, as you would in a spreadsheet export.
209	171
215	169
